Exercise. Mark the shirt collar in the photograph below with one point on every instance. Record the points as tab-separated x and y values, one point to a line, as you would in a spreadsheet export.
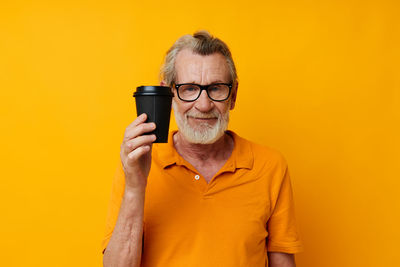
242	154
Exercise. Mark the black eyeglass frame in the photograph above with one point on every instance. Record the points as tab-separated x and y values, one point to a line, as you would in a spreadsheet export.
203	87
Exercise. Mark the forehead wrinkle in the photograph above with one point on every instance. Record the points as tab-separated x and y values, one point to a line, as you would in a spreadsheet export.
196	71
202	69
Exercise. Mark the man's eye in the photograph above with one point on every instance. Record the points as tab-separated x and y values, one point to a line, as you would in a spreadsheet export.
190	89
214	88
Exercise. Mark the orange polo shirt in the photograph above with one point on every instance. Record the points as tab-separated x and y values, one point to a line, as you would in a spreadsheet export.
246	210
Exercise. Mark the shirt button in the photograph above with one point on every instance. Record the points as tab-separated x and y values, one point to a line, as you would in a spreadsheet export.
197	177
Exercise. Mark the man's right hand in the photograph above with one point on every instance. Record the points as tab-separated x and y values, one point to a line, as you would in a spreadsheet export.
136	153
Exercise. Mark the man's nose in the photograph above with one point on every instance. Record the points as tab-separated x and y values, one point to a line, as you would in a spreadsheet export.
204	103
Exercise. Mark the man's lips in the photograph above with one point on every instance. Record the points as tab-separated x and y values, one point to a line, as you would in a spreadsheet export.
202	119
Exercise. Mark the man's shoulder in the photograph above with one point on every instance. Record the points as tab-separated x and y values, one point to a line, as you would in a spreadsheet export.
261	153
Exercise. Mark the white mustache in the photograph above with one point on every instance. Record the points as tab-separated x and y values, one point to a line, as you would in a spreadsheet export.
201	115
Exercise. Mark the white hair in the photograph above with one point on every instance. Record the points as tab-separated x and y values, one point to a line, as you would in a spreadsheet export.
202	43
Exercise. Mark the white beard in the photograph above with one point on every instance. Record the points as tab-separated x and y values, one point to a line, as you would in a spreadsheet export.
202	133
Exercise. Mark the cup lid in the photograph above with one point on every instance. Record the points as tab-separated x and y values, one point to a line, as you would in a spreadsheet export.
153	90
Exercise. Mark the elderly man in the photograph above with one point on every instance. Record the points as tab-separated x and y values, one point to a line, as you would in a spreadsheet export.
210	198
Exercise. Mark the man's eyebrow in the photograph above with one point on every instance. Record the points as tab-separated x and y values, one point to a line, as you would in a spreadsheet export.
216	81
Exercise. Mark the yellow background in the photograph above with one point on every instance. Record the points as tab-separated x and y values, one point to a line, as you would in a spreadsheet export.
319	80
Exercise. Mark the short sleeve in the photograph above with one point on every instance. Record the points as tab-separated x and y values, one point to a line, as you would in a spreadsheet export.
281	226
117	193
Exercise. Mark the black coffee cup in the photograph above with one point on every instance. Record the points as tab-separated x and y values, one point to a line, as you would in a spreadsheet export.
156	102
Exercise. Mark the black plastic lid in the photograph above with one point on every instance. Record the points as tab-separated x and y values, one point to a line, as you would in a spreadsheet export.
153	90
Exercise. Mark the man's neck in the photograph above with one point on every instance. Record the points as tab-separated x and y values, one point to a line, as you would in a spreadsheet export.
218	151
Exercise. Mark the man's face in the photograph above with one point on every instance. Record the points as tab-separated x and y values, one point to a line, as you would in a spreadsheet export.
203	121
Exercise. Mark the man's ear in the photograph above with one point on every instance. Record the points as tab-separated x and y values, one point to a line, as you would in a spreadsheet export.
163	83
234	94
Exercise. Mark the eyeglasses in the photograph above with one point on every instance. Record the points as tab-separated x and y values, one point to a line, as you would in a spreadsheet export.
190	92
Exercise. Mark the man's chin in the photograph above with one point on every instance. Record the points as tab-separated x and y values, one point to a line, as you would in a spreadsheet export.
202	128
200	134
198	124
201	141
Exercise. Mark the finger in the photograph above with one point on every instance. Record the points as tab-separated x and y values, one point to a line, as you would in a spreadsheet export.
134	143
139	130
137	153
140	119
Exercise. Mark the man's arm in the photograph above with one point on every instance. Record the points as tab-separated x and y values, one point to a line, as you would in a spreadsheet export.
125	246
278	259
